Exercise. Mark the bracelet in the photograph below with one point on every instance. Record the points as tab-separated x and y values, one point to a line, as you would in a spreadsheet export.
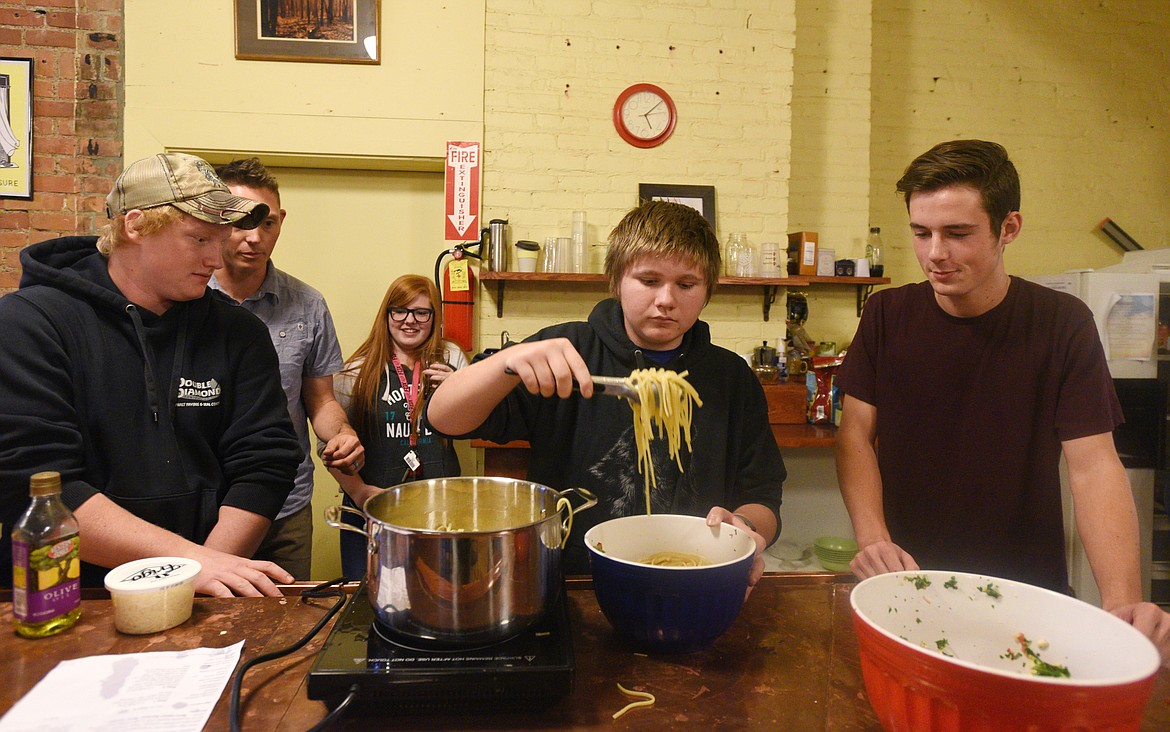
746	520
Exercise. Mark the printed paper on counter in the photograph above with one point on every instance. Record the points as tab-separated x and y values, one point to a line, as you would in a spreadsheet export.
165	690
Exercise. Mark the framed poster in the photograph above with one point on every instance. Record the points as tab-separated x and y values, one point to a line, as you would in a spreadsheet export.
700	198
330	31
16	127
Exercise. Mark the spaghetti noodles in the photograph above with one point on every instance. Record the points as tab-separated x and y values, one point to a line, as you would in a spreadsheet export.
665	408
647	700
673	559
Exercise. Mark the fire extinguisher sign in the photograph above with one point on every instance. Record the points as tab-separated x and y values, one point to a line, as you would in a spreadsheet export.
462	191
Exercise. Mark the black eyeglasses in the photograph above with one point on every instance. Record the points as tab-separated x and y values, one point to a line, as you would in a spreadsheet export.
421	315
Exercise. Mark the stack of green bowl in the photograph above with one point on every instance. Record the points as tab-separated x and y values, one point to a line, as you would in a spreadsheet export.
835	552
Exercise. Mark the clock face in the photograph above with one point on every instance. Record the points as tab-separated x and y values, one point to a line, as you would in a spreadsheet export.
644	115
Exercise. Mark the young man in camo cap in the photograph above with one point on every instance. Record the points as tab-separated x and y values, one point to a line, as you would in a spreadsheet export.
159	404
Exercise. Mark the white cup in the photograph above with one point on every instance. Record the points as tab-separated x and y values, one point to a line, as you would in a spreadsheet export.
861	267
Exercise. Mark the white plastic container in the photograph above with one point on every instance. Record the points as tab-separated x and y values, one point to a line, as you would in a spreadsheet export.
151	595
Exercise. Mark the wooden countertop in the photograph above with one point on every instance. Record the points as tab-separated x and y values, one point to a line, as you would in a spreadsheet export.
788	663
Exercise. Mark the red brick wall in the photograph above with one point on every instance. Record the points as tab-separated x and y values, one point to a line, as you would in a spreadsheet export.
77	119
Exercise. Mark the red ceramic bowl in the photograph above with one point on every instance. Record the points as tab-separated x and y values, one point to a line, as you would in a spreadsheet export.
941	651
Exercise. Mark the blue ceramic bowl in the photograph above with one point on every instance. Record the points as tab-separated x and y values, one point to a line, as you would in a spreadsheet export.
669	609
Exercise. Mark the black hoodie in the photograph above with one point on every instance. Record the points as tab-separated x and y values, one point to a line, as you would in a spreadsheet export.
590	443
170	416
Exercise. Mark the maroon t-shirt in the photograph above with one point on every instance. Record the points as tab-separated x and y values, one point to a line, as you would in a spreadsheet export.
971	413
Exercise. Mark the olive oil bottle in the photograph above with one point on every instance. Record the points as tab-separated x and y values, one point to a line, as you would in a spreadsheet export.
46	562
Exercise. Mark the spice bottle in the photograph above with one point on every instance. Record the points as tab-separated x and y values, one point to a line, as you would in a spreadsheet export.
874	253
46	562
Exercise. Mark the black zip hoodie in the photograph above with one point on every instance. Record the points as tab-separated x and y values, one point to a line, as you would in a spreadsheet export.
168	416
590	443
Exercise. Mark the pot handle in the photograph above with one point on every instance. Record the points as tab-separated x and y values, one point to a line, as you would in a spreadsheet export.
333	518
563	502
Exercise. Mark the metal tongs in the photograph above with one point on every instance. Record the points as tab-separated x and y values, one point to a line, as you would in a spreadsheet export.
614	386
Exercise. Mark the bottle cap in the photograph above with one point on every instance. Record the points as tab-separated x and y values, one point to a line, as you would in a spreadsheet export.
45	483
875	229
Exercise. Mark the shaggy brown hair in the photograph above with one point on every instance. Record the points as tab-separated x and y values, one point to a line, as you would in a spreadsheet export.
663	229
977	164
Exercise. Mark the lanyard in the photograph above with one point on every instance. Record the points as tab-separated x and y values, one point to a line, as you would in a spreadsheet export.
411	391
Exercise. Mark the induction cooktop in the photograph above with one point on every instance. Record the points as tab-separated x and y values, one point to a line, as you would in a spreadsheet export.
533	668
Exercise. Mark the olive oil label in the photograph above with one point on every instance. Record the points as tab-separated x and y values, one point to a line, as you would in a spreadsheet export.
46	581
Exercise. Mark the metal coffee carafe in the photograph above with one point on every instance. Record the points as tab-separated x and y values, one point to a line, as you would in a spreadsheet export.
764	364
495	245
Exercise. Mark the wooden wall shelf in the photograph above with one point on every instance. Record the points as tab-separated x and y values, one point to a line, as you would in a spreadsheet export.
771	285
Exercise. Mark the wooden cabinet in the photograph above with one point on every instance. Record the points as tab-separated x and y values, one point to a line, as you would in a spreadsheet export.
771	285
788	416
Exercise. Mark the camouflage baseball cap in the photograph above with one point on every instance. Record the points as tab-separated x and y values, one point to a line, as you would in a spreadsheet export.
186	182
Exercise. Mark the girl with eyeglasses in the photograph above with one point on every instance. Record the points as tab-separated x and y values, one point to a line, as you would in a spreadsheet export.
382	388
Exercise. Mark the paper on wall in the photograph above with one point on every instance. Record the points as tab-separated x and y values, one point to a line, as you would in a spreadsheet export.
1129	327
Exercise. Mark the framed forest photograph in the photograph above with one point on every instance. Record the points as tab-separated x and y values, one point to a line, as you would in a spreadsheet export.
16	137
328	31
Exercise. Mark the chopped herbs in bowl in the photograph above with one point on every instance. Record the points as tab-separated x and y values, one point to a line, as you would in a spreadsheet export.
952	643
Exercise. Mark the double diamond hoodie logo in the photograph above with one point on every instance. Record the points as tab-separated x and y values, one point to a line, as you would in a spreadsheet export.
198	393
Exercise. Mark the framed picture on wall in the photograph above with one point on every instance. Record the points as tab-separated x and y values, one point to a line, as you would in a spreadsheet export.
700	198
16	127
329	31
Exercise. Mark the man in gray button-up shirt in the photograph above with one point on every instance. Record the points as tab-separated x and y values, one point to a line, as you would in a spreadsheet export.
302	330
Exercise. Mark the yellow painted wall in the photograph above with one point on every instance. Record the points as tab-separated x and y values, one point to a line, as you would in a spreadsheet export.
552	73
1078	92
186	90
831	110
802	115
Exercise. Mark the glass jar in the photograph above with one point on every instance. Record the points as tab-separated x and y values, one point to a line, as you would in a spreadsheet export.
749	261
735	242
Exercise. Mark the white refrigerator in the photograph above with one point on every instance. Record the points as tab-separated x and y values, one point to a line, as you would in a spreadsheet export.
1125	309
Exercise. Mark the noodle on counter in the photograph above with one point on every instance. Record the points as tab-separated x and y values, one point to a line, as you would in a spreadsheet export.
665	407
647	700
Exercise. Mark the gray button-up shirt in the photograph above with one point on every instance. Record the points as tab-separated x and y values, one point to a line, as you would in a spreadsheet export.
302	330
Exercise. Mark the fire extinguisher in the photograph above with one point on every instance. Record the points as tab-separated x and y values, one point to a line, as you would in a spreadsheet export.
458	293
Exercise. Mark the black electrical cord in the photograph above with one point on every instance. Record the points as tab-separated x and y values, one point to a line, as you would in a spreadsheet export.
321	590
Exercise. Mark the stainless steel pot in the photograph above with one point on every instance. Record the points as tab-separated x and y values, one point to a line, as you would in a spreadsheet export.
463	561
